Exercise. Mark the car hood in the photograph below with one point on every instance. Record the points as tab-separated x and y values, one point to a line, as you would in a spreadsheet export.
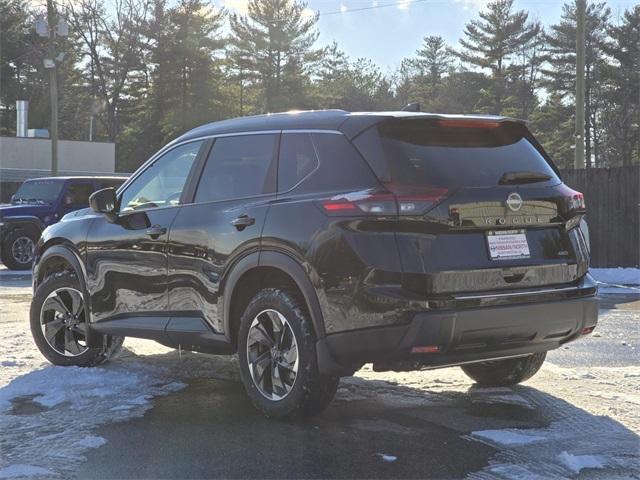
8	210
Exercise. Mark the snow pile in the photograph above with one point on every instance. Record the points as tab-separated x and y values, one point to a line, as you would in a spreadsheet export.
617	280
622	276
575	463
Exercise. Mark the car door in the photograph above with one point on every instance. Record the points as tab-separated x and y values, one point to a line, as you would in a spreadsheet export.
126	258
224	221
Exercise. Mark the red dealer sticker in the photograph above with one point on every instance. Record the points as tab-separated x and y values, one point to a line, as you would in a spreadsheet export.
508	244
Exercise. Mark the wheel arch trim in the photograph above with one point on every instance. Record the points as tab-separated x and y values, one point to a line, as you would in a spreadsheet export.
71	256
31	221
289	266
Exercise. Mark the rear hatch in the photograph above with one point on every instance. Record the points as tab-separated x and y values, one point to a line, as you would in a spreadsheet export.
480	207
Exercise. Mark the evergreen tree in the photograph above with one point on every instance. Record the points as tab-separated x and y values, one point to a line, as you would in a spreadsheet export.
553	125
491	42
274	44
561	58
621	116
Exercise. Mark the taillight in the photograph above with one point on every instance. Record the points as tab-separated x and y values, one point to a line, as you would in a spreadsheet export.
414	200
574	199
359	203
577	201
397	200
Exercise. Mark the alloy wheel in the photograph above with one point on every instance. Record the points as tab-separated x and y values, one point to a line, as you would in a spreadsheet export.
22	249
63	322
272	354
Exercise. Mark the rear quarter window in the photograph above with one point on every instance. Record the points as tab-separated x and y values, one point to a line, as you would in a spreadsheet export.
340	168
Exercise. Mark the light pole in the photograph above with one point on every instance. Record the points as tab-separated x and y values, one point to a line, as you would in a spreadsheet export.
580	87
47	29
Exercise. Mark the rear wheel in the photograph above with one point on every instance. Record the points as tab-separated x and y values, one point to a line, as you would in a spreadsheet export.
17	249
500	373
59	322
276	349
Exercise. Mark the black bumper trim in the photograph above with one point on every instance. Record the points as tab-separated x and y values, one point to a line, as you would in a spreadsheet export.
466	335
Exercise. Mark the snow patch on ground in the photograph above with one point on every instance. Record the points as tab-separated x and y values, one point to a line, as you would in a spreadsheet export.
617	280
91	441
624	276
575	463
47	416
532	453
509	437
23	470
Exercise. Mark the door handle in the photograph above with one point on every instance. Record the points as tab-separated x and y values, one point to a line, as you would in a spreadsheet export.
243	221
155	231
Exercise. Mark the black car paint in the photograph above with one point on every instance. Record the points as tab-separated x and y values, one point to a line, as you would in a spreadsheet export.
372	283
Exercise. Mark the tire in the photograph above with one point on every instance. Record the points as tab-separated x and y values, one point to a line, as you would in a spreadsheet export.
17	249
502	373
279	385
67	342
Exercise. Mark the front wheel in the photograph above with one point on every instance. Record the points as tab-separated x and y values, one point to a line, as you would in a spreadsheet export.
17	249
276	349
503	373
59	323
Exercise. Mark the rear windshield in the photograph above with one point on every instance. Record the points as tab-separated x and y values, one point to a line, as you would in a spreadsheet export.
424	152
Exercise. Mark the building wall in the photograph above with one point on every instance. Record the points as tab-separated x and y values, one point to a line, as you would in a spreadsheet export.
23	158
35	154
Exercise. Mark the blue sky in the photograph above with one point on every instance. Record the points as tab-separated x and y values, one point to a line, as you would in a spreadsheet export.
387	35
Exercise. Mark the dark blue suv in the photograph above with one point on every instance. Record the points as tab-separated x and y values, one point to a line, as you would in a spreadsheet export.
37	204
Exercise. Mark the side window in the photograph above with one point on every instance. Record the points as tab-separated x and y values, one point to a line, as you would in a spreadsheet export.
77	194
162	183
111	184
238	167
297	159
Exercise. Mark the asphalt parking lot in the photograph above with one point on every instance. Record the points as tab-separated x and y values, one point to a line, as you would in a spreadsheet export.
156	413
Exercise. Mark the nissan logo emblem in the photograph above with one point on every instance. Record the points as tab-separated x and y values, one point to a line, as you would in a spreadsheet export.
514	202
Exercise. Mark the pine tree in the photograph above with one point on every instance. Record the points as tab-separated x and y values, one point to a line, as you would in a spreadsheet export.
491	42
561	57
621	116
274	43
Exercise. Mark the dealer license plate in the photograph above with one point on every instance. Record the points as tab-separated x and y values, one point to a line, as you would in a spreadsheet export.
508	244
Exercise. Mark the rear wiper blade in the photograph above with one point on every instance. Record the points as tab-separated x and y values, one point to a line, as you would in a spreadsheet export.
511	178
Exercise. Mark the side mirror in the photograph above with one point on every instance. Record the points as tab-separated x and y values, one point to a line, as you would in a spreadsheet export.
104	201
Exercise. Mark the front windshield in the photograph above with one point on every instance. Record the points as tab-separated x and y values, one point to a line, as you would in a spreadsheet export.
38	191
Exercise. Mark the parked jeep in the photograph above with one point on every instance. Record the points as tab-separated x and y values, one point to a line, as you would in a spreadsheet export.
37	204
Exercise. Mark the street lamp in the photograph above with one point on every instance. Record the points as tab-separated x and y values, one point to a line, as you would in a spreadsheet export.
44	29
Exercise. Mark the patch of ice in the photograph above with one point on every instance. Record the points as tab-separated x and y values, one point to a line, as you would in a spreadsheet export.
91	396
52	386
575	463
512	399
23	470
387	458
509	436
91	441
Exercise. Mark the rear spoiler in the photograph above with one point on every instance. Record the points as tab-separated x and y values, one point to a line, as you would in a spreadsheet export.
357	122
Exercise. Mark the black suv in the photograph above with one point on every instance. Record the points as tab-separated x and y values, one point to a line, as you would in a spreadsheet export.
312	243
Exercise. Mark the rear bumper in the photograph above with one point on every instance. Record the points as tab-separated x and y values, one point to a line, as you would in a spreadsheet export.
461	336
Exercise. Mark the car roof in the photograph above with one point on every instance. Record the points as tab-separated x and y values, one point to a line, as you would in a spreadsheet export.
350	123
84	177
